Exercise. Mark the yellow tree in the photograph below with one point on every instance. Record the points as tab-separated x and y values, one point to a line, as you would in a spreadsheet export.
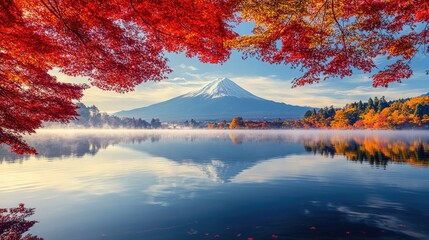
369	119
397	119
344	118
383	121
340	120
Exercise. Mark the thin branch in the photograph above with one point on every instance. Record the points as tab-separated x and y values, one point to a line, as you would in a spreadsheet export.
340	27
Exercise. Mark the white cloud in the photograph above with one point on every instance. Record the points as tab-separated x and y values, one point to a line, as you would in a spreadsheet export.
272	86
383	220
190	67
276	89
177	79
275	169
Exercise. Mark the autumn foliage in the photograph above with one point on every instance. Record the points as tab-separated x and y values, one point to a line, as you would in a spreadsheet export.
116	44
119	44
14	223
332	38
374	114
377	113
376	150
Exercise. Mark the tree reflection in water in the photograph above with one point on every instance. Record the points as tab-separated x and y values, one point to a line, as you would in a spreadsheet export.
226	155
14	223
378	148
375	150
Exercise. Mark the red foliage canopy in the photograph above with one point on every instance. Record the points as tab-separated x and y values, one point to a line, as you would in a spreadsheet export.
117	44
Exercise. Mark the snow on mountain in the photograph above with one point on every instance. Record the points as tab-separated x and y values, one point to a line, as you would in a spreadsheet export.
221	87
221	99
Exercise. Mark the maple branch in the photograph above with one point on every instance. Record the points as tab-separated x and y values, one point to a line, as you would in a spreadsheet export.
323	20
56	11
281	32
6	93
339	26
151	25
12	96
177	16
318	11
424	44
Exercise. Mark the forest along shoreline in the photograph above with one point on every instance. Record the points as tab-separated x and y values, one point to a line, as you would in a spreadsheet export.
377	113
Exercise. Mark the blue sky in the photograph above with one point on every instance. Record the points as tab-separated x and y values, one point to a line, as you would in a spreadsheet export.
264	80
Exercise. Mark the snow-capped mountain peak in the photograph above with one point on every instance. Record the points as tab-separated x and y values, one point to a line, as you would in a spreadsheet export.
221	99
221	87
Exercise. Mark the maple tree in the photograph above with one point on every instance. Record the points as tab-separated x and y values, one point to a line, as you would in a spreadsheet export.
116	44
331	38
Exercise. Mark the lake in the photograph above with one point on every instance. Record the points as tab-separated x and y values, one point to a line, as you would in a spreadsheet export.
262	184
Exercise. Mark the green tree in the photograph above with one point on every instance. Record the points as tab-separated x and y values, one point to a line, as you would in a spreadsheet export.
308	114
370	104
155	123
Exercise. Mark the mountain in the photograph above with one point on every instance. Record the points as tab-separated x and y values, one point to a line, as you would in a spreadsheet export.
221	99
427	94
219	88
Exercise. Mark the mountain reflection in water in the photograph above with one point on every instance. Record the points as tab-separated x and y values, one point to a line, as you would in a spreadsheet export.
378	148
199	184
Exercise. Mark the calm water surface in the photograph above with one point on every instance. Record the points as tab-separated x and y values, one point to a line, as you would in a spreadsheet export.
222	184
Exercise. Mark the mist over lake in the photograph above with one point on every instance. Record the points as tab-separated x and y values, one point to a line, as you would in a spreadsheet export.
222	184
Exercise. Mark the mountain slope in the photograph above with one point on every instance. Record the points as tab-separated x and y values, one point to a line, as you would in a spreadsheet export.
221	99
